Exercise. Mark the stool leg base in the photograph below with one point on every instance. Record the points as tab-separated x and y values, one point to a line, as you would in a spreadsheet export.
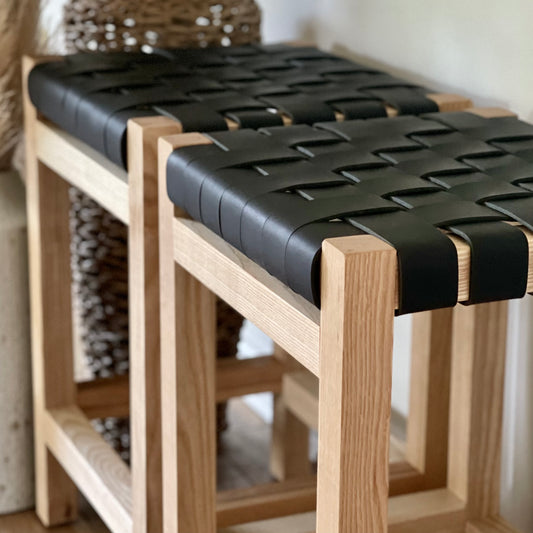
52	354
188	361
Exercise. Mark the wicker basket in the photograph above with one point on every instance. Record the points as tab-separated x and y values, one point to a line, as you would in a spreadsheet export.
99	241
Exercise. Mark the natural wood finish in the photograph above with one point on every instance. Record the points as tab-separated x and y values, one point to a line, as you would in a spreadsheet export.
300	391
491	112
437	511
357	297
494	524
51	326
289	450
441	508
238	377
250	290
83	167
403	478
262	502
145	369
188	331
476	407
92	464
434	511
427	424
104	397
450	102
300	523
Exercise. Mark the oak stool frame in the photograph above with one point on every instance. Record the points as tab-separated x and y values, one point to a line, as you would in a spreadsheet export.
347	345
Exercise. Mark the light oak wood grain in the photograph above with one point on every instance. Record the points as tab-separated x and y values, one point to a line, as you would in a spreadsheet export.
83	167
238	377
51	326
101	398
357	294
289	451
450	102
493	524
262	502
478	368
110	397
92	464
143	294
427	424
188	332
286	317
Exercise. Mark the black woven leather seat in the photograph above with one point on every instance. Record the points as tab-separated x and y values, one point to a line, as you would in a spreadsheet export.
277	193
92	96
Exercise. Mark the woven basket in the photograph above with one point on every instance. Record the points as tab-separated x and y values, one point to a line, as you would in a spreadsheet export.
99	241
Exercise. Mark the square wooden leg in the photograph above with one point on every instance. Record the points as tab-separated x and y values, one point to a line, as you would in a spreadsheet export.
476	408
427	424
358	299
51	328
51	319
145	371
188	352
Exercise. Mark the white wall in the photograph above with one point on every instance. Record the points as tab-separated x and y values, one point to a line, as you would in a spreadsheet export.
479	48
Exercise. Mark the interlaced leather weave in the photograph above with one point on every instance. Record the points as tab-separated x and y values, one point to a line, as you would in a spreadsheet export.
92	96
277	193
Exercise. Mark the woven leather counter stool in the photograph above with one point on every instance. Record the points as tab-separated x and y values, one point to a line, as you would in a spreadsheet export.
320	235
89	99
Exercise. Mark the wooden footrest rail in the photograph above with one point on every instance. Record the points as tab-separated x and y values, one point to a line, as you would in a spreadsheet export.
92	464
106	480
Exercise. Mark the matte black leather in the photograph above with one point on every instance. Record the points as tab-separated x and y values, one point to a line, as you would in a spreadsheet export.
92	96
277	193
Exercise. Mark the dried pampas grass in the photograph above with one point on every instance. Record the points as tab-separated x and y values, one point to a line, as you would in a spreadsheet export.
18	19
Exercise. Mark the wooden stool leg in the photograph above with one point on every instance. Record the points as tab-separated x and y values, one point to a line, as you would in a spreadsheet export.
188	360
51	318
289	454
427	425
51	328
358	291
143	261
478	369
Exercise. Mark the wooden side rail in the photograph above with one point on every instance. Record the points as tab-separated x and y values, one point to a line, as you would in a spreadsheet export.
101	398
235	377
238	377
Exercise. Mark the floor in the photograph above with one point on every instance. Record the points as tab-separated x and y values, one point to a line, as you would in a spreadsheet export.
243	461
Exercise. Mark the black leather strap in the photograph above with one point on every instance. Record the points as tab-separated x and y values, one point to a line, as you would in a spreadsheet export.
92	96
278	193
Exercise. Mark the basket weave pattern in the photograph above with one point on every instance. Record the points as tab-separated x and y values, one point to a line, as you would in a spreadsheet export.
128	25
99	241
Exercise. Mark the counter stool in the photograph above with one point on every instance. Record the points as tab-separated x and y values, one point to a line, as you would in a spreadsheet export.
77	111
319	235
